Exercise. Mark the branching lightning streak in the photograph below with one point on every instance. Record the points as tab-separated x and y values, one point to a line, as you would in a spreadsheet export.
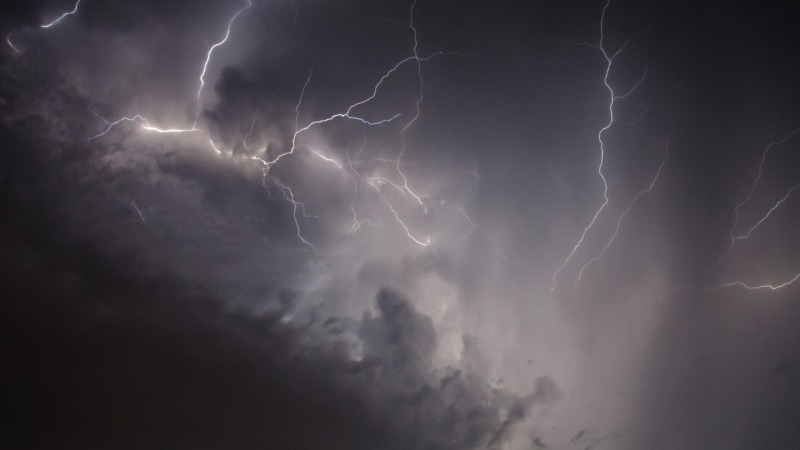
253	122
138	211
99	116
734	239
348	115
112	124
291	199
208	58
416	116
424	244
419	61
268	164
147	125
613	97
619	221
356	223
333	161
63	16
474	227
345	115
374	181
752	191
772	287
404	189
788	193
753	288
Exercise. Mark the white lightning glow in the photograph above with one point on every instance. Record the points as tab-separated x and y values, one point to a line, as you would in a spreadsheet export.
742	284
747	235
613	97
619	221
408	232
752	191
138	211
63	16
416	116
298	208
333	161
474	226
348	114
291	199
194	128
759	287
145	126
208	56
8	41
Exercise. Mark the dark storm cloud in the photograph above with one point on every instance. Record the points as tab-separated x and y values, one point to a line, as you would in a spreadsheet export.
121	333
148	275
136	363
95	192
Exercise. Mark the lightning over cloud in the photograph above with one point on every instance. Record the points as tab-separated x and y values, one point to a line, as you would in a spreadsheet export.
288	195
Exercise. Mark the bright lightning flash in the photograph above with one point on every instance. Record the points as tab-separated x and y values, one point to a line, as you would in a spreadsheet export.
298	208
752	191
63	16
619	221
612	98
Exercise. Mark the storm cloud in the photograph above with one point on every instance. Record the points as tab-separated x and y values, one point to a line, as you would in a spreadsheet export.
290	224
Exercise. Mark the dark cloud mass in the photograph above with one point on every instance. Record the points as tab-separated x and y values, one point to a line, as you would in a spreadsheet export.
400	225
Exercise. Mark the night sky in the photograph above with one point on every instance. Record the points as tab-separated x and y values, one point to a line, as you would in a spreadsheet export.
397	225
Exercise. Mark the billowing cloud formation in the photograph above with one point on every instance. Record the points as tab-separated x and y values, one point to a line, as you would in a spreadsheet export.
152	369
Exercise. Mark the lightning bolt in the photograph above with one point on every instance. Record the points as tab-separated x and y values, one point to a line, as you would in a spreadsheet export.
194	128
408	232
749	287
208	58
63	16
8	41
145	126
752	191
734	239
298	207
416	116
138	211
619	221
356	223
269	164
747	235
474	226
291	199
348	114
612	98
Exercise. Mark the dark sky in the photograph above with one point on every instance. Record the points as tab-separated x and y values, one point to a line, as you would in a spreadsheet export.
253	256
